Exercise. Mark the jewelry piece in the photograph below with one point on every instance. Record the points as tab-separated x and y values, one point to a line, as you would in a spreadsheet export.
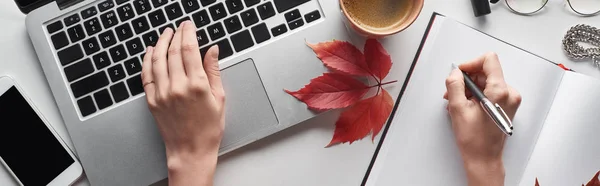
586	34
148	83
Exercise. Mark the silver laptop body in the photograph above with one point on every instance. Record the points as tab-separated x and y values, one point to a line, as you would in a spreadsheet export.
106	114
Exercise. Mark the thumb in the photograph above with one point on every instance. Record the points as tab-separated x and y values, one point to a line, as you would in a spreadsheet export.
211	67
455	85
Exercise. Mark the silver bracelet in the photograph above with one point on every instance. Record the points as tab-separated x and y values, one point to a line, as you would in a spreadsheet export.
586	34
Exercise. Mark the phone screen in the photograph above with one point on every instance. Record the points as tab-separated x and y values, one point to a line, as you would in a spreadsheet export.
27	146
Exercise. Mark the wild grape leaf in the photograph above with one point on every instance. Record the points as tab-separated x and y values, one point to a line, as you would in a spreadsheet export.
366	116
341	56
378	60
331	91
595	181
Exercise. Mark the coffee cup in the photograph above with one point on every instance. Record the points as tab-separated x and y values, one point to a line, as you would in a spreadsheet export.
380	18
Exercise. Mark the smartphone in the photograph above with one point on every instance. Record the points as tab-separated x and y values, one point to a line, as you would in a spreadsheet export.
29	148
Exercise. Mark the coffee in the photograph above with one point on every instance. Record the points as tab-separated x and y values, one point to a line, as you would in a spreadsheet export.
378	15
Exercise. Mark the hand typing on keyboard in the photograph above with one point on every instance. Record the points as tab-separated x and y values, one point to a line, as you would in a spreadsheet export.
187	100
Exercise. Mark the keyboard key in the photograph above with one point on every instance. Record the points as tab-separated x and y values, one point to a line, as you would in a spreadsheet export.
162	29
207	2
109	19
59	40
201	18
92	26
76	33
312	16
278	30
124	31
135	85
90	46
295	24
234	6
140	25
157	18
89	12
56	26
249	17
70	54
79	70
121	1
86	106
134	46
173	11
224	49
178	22
89	84
107	39
215	31
284	5
72	19
150	38
232	24
261	33
101	60
158	3
201	37
266	10
133	66
250	3
103	99
141	6
242	41
125	12
116	73
190	5
117	53
119	92
103	6
217	12
292	15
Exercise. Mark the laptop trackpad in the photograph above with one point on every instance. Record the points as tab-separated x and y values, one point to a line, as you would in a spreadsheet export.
247	108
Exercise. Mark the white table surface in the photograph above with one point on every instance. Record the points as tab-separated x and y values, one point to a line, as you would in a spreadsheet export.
296	156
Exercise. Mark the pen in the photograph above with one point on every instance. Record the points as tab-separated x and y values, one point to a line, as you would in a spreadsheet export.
493	110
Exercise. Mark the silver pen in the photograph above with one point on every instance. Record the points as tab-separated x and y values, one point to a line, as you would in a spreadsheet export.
492	109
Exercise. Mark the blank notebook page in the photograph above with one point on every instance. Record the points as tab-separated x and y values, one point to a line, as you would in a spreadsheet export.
419	148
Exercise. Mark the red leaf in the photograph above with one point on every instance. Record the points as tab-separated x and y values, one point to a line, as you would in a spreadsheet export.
341	56
360	119
536	182
331	91
595	180
378	60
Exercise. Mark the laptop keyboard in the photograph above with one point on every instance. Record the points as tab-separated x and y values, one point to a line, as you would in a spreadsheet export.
101	47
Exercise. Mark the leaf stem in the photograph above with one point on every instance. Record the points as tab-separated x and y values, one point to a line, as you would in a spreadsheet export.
381	84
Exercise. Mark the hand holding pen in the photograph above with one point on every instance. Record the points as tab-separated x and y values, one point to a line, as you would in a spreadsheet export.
478	137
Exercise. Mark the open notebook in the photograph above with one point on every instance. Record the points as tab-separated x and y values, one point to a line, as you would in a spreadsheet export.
556	129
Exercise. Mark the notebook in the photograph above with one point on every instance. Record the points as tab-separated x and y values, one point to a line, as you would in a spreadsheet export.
556	130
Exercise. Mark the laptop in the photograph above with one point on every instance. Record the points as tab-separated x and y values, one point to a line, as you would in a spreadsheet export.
91	54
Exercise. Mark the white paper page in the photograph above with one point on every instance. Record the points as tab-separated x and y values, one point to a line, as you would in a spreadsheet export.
419	148
568	149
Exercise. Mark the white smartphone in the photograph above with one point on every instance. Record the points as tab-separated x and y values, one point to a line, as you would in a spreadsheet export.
31	150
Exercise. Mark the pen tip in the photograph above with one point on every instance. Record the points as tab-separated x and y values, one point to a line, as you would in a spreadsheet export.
454	66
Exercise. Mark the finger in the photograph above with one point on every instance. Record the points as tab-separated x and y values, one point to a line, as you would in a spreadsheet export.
488	64
176	72
212	70
191	53
514	101
147	75
159	61
455	85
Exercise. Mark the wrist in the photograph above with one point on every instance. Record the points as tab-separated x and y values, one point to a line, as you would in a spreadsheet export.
185	168
485	172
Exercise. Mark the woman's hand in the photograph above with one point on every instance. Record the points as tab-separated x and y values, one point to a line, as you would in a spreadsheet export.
187	101
480	141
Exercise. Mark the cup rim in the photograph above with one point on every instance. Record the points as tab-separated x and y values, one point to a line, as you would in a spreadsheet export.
412	18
